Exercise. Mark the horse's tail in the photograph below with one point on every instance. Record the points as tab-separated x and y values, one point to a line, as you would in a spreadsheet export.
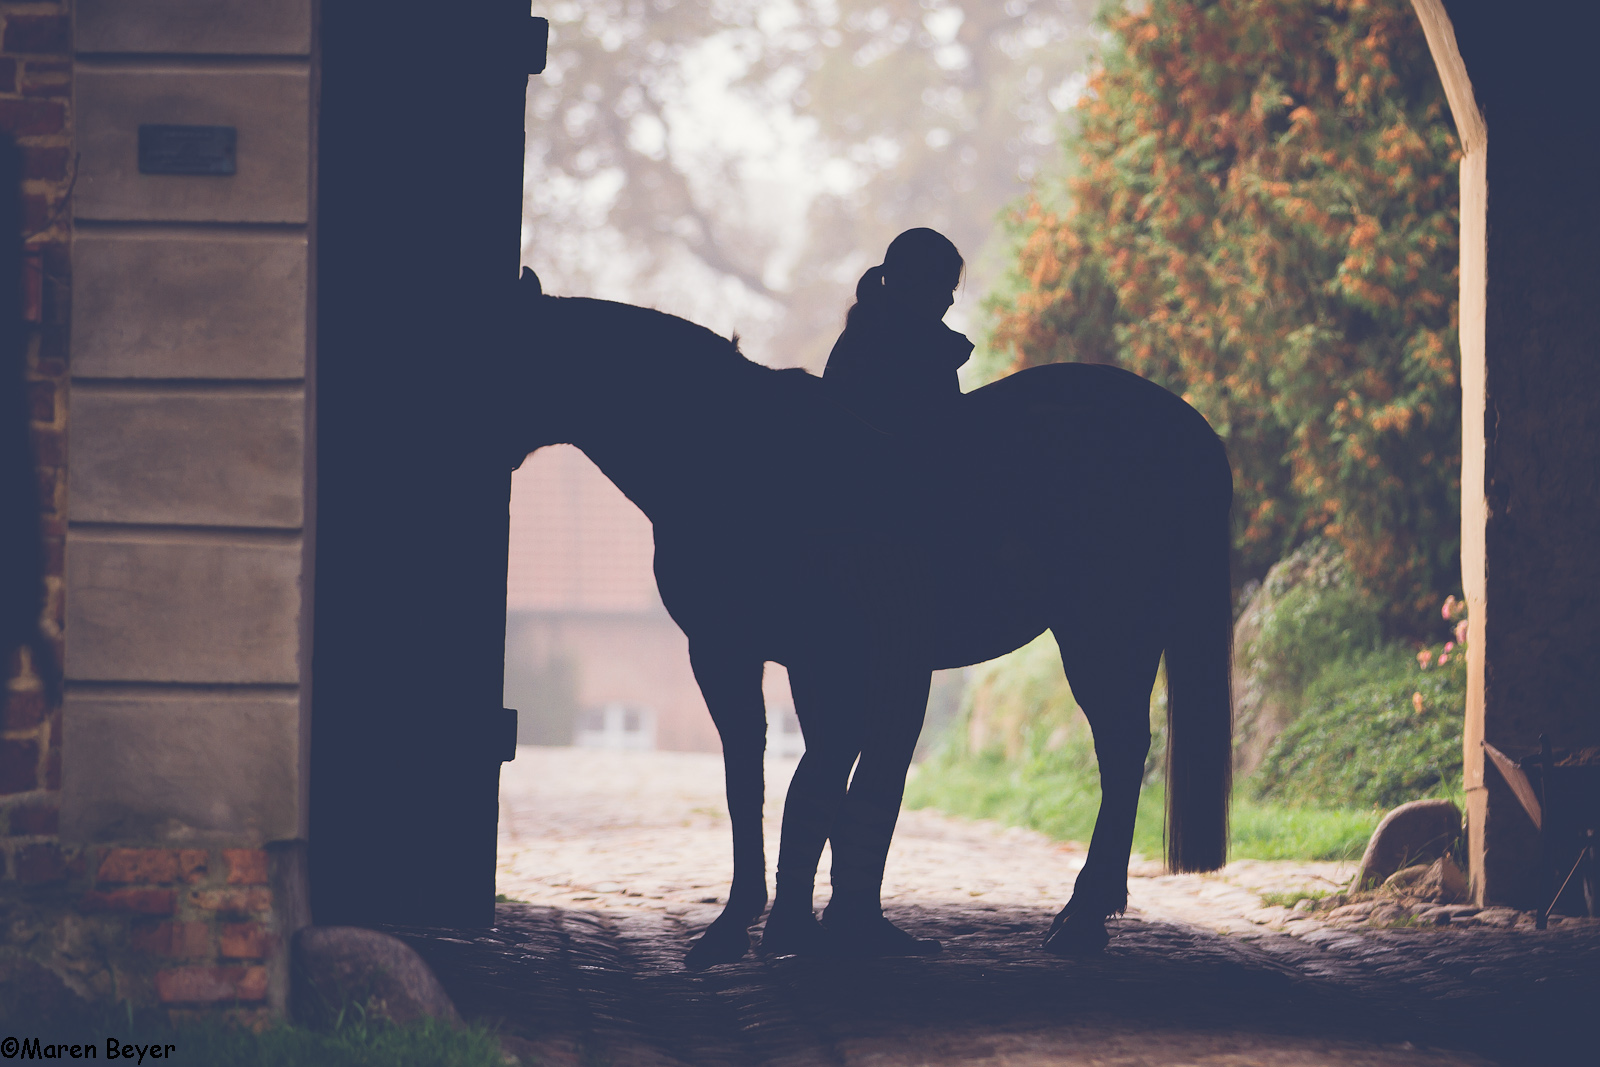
1199	651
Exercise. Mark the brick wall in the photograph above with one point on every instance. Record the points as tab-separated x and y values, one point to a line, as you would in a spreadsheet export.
174	900
35	107
198	923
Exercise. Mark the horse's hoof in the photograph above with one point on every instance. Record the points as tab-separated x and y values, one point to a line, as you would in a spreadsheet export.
877	936
1074	935
717	946
795	936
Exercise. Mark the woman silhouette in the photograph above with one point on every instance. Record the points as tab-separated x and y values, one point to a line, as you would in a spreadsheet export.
895	364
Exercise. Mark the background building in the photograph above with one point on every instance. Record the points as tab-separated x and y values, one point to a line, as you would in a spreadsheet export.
588	642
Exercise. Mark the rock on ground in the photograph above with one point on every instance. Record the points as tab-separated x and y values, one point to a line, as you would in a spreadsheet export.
1418	832
337	968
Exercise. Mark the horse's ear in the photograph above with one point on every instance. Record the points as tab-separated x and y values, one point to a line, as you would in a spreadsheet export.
530	282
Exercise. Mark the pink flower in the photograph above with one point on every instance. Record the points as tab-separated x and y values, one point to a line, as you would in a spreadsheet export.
1416	702
1449	607
1461	632
1423	658
1449	646
1443	660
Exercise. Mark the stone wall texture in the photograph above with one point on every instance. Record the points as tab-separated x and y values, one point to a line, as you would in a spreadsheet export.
151	828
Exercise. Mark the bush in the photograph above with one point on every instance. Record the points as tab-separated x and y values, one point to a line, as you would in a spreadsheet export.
1377	730
1021	753
1309	614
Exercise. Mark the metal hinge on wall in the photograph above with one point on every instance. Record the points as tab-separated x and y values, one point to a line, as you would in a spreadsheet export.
504	737
536	47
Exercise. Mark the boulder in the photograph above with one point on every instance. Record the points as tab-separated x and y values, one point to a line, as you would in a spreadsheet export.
1443	883
1418	832
1402	882
347	968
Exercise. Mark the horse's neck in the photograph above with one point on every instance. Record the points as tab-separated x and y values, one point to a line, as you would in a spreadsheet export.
642	419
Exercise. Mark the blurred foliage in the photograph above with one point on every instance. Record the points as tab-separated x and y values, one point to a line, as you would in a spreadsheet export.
1380	724
1021	753
1378	730
1020	708
741	162
1262	216
1309	614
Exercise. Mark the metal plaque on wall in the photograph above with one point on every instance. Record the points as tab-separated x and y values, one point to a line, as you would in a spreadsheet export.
187	149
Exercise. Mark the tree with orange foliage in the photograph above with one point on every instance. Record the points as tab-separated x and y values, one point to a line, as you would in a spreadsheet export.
1263	218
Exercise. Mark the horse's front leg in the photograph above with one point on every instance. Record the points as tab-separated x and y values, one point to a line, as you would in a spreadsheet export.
731	685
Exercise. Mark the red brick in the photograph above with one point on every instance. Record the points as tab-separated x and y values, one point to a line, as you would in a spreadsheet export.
35	819
45	162
36	864
246	866
138	866
52	762
175	939
37	82
53	340
19	766
48	480
232	901
49	446
24	709
8	75
31	118
42	401
193	864
55	556
243	941
131	901
38	33
211	985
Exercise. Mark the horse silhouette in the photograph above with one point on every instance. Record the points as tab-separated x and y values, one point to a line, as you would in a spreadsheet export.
1074	497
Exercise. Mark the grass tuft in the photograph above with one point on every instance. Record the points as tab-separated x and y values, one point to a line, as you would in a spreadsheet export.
355	1042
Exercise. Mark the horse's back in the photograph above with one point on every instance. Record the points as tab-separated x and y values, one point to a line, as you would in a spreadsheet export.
1077	484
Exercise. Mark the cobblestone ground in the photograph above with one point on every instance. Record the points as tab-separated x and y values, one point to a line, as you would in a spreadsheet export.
618	860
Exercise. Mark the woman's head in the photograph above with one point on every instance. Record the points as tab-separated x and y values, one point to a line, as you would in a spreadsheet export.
921	270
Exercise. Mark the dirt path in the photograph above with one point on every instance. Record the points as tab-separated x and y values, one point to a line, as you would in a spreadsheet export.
620	859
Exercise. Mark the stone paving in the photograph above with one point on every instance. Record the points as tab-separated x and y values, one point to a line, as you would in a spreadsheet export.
616	861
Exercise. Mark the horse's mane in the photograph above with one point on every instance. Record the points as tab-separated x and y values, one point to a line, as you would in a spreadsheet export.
694	347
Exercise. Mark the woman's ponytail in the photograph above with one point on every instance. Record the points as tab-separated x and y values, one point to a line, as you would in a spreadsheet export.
870	288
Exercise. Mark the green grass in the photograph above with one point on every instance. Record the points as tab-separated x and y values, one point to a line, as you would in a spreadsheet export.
1290	898
354	1043
1362	740
1264	830
1061	800
423	1044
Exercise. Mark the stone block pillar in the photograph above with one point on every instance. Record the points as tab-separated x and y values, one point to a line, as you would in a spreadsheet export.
188	544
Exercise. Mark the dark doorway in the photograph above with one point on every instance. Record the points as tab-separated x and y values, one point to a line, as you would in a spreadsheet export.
418	207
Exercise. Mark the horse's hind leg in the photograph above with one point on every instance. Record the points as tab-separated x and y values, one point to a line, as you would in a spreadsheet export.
731	685
1112	684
